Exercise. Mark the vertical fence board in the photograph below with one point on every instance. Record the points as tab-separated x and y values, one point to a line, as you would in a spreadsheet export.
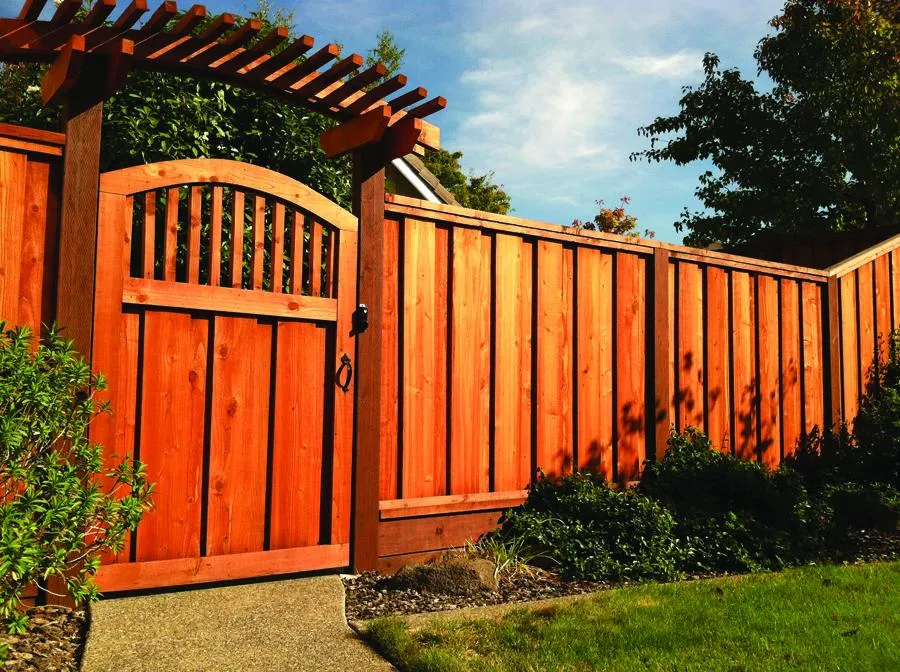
390	372
512	364
38	241
174	405
882	306
866	307
424	359
12	211
277	256
690	346
813	381
215	237
769	373
594	367
554	359
237	239
315	258
195	205
850	346
895	288
792	418
470	363
297	452
631	355
170	236
238	438
718	330
745	380
257	253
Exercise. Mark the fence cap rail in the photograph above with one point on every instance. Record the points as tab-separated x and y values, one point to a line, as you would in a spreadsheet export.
864	257
137	179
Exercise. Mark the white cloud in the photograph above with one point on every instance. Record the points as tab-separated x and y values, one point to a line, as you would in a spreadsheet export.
674	66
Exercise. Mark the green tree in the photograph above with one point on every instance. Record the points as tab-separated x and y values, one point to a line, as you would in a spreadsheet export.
387	52
817	150
479	192
614	220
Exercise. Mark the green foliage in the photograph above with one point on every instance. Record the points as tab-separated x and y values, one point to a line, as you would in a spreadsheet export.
733	514
510	557
866	506
591	531
478	192
818	150
61	503
387	52
614	220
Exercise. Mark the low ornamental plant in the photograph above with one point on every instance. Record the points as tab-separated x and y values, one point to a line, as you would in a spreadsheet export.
589	531
62	504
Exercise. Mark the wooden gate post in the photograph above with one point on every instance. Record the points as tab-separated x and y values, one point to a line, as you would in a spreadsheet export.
78	213
368	206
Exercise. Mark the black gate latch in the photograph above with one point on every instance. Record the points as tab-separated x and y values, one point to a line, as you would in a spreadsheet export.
360	319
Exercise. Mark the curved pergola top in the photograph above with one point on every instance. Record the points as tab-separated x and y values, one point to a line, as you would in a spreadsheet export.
152	176
223	50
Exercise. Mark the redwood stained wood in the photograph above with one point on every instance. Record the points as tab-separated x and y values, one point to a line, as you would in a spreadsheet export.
342	441
416	535
691	367
424	360
13	168
594	368
195	204
835	370
148	255
718	332
172	416
631	356
237	239
238	436
744	357
258	252
315	258
769	374
215	238
423	506
663	364
554	359
277	264
296	279
512	362
866	307
849	347
170	240
792	418
390	383
895	288
297	454
813	380
470	363
38	259
882	306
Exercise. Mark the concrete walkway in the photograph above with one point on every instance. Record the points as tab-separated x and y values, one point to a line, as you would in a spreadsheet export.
279	625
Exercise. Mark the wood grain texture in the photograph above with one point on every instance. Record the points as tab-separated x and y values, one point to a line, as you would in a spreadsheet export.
813	374
882	307
390	371
631	358
37	273
315	258
691	365
865	279
416	535
746	394
12	214
277	263
424	360
258	251
170	235
850	347
470	363
215	238
718	364
238	436
195	206
554	384
663	337
792	417
172	412
148	250
297	452
237	239
769	372
594	368
895	288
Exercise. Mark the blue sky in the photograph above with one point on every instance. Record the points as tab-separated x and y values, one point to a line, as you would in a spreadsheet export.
550	95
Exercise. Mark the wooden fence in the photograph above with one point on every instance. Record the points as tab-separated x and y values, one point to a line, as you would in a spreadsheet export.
508	346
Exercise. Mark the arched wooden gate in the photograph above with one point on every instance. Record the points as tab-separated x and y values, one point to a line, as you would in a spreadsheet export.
223	306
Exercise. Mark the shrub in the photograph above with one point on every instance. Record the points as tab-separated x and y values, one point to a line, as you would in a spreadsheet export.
61	506
733	514
864	506
592	532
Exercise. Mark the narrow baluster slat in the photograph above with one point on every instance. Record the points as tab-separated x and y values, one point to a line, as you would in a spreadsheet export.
315	258
215	237
237	239
296	253
193	239
170	242
329	265
149	249
259	243
277	247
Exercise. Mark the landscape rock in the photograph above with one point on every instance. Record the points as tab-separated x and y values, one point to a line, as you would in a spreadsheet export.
450	576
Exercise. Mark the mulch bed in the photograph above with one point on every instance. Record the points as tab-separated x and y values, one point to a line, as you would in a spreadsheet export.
54	641
368	598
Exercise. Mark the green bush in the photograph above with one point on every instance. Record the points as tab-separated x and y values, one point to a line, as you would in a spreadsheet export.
592	532
864	506
732	514
61	505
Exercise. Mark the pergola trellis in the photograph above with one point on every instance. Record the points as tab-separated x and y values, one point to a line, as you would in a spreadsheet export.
90	55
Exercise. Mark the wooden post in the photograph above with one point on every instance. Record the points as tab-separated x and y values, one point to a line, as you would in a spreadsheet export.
661	316
834	369
83	116
368	206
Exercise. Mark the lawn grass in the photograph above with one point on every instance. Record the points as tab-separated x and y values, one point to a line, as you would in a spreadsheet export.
811	618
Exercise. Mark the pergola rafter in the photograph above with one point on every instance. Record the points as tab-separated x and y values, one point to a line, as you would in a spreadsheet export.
225	51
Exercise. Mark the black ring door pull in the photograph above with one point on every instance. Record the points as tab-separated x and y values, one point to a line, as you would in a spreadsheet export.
345	364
